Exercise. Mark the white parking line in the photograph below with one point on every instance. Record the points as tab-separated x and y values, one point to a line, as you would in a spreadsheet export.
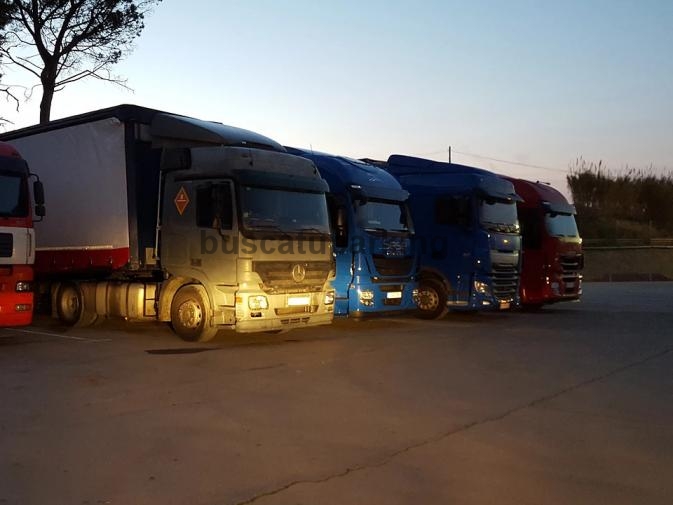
48	334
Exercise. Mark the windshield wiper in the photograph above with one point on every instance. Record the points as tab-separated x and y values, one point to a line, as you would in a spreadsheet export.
313	229
264	226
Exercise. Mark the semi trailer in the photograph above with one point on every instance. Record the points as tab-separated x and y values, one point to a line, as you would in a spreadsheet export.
372	237
170	218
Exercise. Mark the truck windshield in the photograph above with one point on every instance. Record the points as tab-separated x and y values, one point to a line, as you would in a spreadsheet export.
561	225
498	216
382	216
273	210
13	195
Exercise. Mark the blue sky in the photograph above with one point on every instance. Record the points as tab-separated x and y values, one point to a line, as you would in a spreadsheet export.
533	82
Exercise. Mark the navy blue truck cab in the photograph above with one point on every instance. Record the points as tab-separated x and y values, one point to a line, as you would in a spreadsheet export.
468	240
372	237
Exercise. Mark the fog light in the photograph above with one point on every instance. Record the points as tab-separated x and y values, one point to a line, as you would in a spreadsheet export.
329	298
365	295
258	302
482	287
414	296
23	307
23	286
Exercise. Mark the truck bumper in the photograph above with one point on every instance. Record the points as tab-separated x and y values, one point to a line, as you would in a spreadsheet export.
284	323
380	299
16	308
281	311
553	289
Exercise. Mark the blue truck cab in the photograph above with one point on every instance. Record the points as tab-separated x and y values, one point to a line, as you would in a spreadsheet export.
372	237
467	235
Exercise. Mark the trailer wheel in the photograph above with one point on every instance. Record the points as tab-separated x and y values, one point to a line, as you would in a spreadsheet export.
191	313
432	297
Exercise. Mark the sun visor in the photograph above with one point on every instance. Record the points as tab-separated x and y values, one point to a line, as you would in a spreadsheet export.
559	208
379	193
499	188
287	182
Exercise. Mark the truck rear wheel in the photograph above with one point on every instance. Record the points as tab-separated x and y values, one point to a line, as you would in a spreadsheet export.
191	314
70	307
432	297
69	303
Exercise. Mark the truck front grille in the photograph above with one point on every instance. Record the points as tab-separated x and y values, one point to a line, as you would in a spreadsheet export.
572	265
505	281
393	266
277	276
6	245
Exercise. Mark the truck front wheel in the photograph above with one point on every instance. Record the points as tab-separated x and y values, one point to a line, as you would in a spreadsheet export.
432	298
191	314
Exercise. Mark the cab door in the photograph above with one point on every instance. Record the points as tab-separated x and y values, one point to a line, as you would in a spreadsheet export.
199	236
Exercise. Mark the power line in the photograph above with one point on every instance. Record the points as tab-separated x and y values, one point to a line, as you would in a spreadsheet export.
529	165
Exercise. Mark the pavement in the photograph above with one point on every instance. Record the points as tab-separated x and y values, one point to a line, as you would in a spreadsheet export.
571	404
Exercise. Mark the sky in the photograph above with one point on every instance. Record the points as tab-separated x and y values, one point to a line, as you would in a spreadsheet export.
534	84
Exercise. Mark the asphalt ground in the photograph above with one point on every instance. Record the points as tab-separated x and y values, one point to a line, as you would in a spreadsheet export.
572	404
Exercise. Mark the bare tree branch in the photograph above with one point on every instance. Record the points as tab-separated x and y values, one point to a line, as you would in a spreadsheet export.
74	40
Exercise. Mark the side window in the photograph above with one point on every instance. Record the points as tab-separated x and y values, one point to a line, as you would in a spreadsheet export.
214	206
531	236
452	210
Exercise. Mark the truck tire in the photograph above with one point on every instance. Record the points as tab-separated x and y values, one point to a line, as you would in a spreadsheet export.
432	297
70	306
191	314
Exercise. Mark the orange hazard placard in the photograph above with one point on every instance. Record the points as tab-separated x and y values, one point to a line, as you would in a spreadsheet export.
181	200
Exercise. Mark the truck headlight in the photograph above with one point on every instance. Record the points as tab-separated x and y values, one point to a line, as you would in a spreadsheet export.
329	298
23	286
366	297
258	302
482	288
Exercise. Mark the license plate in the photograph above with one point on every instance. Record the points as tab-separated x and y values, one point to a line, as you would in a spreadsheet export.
570	285
295	301
394	295
504	305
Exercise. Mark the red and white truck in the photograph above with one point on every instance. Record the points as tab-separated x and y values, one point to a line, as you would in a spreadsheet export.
17	239
552	247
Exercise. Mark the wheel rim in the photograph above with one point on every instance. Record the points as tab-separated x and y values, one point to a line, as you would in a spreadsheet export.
428	299
69	303
190	315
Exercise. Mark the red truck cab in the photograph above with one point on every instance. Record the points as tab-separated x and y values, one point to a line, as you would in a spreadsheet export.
17	239
552	258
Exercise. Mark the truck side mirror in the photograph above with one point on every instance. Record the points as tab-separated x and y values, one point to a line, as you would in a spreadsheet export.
341	231
38	194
